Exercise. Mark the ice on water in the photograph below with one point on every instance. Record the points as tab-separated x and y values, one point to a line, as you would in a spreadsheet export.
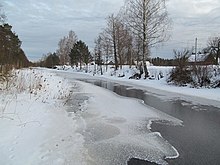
117	129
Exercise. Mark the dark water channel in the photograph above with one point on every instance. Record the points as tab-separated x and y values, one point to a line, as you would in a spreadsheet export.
198	141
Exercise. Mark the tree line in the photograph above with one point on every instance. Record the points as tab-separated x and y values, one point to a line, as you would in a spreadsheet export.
130	34
71	51
11	53
127	38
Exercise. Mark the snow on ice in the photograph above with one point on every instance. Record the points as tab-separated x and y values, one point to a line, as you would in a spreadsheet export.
116	129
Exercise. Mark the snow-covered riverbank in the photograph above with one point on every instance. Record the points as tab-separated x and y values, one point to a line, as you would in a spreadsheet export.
34	127
155	83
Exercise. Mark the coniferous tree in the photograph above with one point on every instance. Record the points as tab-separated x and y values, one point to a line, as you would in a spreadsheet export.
51	60
80	54
11	54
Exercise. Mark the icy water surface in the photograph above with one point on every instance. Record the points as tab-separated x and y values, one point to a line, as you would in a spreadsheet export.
116	134
197	141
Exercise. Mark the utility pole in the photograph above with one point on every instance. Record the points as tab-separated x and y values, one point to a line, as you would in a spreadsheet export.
196	42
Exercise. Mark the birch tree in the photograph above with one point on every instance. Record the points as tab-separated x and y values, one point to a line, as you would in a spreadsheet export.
123	43
107	50
148	20
61	50
110	35
98	52
64	47
103	50
116	38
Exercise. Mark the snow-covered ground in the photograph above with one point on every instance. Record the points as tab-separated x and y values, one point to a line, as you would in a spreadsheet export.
49	117
155	83
34	127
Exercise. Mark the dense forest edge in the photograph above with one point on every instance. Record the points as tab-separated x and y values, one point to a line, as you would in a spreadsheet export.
11	54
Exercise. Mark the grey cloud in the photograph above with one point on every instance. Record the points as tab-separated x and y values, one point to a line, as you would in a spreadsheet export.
40	24
191	19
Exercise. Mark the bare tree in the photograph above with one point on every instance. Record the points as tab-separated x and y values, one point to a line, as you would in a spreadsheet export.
148	20
64	47
138	48
214	47
61	50
106	48
98	52
124	43
110	35
116	37
71	40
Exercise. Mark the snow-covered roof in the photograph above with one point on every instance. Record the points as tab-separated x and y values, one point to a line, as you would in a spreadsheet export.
198	58
140	62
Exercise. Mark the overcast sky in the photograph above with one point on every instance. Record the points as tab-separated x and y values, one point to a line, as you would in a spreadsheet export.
40	24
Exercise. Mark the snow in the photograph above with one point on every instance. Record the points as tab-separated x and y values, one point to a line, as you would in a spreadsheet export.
34	128
198	58
157	84
49	117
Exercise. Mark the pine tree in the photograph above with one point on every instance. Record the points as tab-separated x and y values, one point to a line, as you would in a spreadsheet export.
11	54
80	54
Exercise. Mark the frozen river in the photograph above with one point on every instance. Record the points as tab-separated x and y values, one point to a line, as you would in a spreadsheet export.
197	141
119	131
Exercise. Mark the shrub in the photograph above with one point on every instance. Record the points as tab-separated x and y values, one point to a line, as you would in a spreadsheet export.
196	75
201	76
181	74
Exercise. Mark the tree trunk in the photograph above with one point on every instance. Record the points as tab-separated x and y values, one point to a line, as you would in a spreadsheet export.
145	47
101	69
115	47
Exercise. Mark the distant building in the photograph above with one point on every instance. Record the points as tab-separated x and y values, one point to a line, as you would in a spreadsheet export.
110	63
202	59
140	63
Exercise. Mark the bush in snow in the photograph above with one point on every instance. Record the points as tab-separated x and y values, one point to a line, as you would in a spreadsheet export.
201	76
37	83
196	75
216	77
5	80
181	74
